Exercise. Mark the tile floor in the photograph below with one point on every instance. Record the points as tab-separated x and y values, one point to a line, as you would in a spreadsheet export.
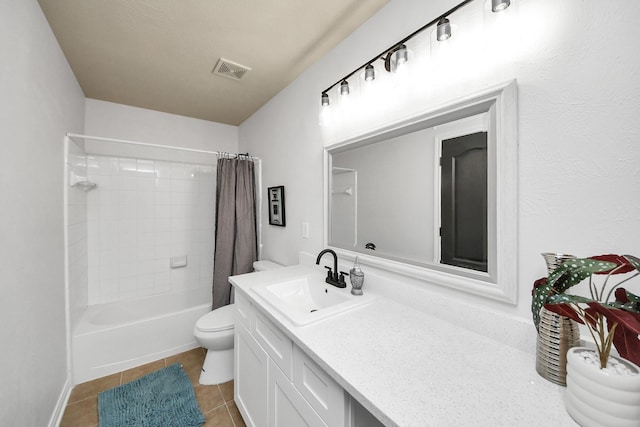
215	401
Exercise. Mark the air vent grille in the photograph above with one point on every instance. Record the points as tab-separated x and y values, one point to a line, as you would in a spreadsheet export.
230	69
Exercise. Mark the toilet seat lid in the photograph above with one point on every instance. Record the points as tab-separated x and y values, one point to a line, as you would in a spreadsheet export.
219	319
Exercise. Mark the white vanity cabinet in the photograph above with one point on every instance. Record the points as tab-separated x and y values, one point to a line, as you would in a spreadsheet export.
276	383
287	407
324	395
250	377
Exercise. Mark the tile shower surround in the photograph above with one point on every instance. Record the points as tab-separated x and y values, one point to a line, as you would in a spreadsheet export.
77	233
142	213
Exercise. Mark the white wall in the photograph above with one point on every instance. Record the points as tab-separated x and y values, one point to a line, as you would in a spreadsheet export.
41	100
106	119
578	72
76	232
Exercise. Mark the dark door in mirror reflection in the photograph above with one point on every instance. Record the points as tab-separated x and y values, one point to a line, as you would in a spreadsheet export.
463	232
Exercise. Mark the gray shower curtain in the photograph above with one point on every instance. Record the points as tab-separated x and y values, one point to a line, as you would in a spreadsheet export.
236	243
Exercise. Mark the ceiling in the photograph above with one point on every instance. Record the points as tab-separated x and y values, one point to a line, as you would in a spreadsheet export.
159	54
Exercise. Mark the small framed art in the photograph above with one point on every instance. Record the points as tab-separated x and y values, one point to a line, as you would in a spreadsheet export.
276	205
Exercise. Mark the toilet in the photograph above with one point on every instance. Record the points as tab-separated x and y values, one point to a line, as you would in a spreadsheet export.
214	331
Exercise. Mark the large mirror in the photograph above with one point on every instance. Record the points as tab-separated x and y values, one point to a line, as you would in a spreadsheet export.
433	197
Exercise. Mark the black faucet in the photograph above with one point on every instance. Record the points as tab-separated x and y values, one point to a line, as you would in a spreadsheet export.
332	275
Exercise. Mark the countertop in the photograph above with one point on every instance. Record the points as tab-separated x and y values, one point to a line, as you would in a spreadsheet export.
411	369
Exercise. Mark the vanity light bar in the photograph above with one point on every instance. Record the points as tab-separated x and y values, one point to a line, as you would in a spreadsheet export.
398	51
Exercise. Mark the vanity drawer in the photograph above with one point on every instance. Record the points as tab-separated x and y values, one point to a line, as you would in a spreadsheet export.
243	310
324	395
274	342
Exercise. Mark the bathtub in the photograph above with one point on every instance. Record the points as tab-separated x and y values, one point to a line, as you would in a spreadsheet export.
113	337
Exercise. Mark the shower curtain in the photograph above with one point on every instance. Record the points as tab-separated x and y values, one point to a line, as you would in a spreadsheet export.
235	236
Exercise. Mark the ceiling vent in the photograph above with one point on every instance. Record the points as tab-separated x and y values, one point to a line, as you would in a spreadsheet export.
229	69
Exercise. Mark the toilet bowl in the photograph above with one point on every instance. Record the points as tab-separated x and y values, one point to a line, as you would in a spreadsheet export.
214	331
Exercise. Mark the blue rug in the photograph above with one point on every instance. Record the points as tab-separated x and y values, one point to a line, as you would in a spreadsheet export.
164	398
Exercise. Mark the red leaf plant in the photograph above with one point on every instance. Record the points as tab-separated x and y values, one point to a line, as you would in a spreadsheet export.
622	326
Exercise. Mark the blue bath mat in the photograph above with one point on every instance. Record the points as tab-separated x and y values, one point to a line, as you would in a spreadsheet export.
164	398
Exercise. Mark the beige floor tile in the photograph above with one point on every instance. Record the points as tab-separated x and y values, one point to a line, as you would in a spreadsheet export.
92	388
208	397
137	372
227	390
195	354
191	362
235	414
81	414
219	417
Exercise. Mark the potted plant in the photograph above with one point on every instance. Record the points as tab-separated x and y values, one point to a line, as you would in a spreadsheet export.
602	389
556	333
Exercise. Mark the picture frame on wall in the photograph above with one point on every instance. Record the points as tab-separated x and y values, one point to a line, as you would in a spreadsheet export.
276	206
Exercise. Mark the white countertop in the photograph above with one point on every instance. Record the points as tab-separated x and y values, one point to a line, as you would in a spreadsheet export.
411	369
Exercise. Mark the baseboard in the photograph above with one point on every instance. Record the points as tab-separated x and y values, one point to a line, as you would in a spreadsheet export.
61	404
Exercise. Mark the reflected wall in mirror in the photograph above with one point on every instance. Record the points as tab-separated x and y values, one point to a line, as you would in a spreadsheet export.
434	197
372	200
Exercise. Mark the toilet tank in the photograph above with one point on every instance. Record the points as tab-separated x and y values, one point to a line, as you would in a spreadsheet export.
264	265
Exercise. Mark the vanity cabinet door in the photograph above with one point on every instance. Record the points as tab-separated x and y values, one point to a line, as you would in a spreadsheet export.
287	407
322	392
251	386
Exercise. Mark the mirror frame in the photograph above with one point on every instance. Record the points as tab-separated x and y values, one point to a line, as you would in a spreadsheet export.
500	283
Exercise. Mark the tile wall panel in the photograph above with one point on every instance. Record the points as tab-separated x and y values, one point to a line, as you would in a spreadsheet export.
76	225
143	213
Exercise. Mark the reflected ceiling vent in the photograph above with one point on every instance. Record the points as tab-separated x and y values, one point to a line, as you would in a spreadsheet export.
230	69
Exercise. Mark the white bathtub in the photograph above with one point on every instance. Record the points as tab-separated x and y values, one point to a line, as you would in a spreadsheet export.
113	337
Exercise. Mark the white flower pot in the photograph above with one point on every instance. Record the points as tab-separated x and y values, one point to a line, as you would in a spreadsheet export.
599	398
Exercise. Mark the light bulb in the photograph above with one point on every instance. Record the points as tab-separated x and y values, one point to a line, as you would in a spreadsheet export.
444	29
344	88
369	73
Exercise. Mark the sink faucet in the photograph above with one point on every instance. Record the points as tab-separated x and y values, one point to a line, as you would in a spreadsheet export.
332	275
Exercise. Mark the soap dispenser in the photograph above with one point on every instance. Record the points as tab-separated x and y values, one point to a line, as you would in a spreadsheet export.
357	278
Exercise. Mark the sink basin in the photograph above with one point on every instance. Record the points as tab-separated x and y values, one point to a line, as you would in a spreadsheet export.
308	299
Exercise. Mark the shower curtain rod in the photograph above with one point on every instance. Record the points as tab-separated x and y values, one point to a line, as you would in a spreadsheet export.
146	144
